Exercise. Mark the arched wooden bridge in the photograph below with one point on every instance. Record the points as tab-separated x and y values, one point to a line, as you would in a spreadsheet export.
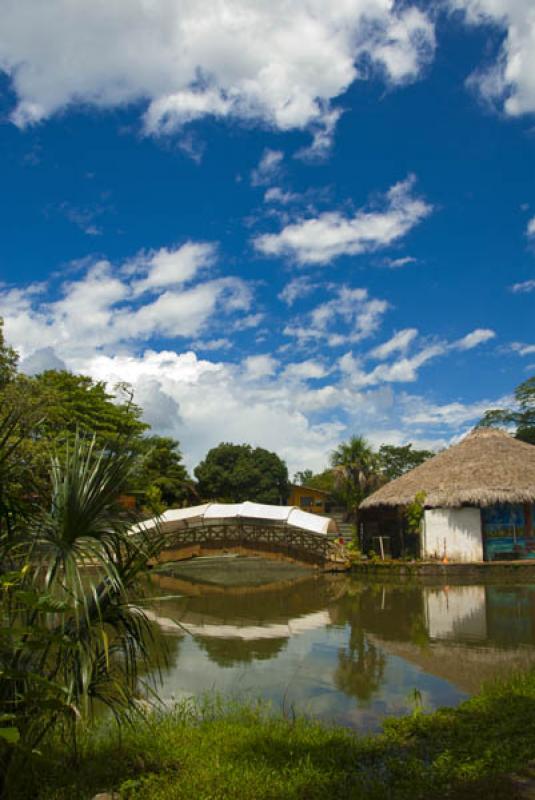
249	529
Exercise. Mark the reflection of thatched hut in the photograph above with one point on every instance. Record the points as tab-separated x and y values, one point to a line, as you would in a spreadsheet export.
479	497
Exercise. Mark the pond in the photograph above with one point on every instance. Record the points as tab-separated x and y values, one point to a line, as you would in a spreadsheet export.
330	646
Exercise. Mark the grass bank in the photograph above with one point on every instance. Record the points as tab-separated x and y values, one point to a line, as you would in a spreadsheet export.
217	751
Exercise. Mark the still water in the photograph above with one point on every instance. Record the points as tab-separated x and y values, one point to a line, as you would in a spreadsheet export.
330	646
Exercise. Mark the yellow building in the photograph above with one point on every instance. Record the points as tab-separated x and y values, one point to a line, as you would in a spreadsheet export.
315	501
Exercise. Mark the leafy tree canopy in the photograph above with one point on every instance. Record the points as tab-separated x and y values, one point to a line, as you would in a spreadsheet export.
8	359
521	417
237	472
396	461
161	466
77	402
303	477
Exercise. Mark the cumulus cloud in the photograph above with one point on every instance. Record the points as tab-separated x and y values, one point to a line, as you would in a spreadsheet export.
530	229
402	370
510	80
475	338
171	267
320	239
203	403
109	307
421	412
304	371
41	360
296	289
349	317
260	366
280	62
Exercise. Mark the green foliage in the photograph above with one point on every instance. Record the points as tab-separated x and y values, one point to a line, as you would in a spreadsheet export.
356	472
237	472
68	633
521	417
153	505
8	360
303	477
396	461
414	513
78	403
160	468
214	751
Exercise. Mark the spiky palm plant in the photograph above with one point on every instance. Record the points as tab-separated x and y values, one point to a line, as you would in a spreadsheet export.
69	634
87	556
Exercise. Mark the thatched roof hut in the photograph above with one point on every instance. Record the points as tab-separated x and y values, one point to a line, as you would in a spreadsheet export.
487	467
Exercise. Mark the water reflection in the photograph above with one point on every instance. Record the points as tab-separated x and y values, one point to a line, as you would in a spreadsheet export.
335	648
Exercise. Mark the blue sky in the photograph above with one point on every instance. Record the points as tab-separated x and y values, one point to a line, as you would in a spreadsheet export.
282	222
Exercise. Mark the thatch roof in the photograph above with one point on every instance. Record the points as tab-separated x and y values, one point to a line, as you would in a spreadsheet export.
488	466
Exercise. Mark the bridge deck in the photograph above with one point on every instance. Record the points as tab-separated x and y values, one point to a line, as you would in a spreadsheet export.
279	531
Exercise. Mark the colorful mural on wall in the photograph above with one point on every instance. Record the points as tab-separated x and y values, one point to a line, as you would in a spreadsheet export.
504	532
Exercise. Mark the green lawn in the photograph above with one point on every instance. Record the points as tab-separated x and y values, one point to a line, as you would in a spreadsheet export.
215	751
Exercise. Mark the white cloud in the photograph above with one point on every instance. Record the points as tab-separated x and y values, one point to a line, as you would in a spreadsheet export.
173	267
530	229
260	366
269	167
403	370
510	81
525	286
203	403
304	370
222	343
420	412
474	339
296	289
249	321
397	263
400	342
319	240
359	314
277	195
523	349
274	61
103	308
41	360
322	137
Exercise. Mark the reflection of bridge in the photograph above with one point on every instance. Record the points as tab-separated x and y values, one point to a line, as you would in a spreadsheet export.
249	529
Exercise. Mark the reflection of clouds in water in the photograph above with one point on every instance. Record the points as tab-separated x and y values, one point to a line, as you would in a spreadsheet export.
350	653
301	676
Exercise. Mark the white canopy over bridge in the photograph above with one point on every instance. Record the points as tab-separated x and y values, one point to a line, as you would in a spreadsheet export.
177	519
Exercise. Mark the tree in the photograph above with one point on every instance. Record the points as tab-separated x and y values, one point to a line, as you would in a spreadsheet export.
521	417
237	472
357	472
161	467
303	477
396	461
78	403
8	359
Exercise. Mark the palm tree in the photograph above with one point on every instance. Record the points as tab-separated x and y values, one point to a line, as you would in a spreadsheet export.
356	471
